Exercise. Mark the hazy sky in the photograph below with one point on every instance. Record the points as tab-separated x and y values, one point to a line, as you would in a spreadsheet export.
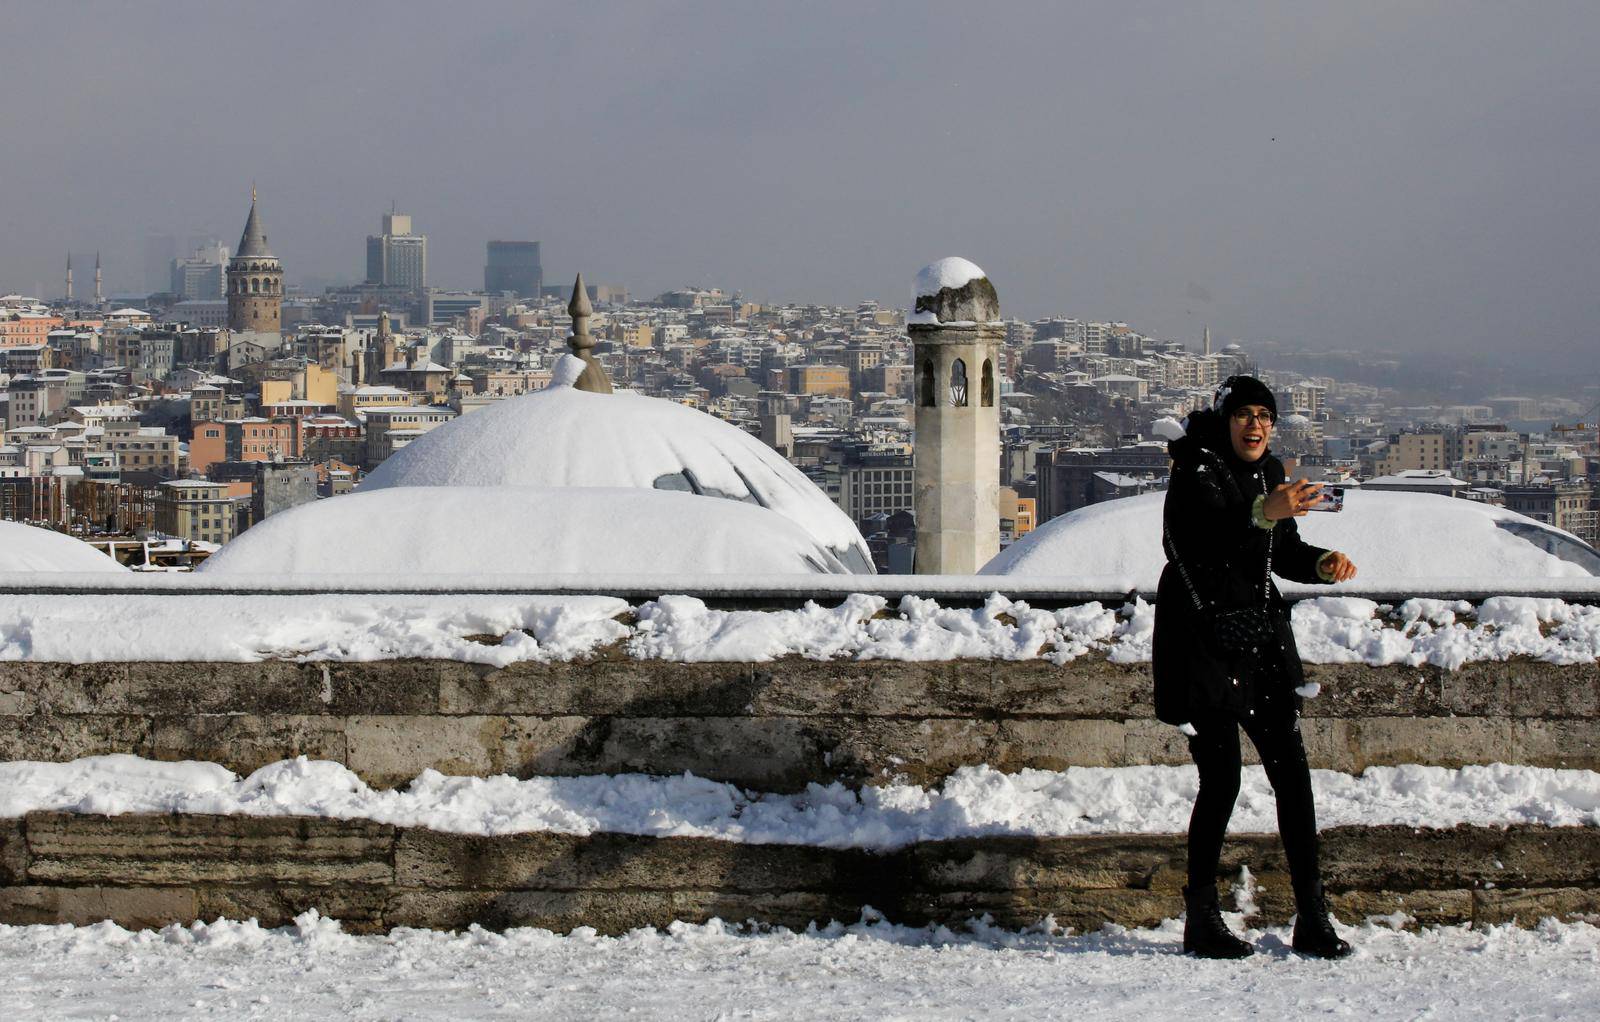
1405	175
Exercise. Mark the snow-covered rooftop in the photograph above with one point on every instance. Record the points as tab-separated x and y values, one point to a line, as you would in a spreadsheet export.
951	271
561	437
24	548
1402	539
517	530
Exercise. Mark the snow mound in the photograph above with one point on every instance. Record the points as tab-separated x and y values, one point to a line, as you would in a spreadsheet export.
566	438
523	530
951	271
1398	538
973	802
26	548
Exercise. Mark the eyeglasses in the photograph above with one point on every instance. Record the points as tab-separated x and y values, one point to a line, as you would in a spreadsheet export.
1245	417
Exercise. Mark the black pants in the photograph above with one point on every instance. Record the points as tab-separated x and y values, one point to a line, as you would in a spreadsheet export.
1275	732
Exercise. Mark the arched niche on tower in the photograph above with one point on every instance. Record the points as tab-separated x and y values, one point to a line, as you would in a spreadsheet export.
987	384
925	395
958	383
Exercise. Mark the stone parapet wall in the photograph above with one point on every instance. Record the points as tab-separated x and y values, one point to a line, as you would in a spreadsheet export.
773	726
153	870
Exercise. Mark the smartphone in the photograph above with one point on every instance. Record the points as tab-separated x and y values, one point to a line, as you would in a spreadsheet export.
1332	499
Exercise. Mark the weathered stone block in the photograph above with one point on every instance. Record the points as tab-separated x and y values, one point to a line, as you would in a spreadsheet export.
1528	907
1398	858
610	912
1553	691
770	753
1567	744
1356	690
159	689
58	738
130	907
1432	741
378	687
13	852
386	751
1425	908
359	909
1084	911
1148	741
245	742
66	688
138	849
916	751
1548	857
564	862
1003	863
1052	745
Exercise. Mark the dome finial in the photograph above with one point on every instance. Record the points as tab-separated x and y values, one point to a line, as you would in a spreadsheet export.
594	374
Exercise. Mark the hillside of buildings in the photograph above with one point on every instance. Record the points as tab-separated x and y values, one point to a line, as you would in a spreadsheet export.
160	426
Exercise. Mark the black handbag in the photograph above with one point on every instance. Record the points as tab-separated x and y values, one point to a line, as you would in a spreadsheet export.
1237	629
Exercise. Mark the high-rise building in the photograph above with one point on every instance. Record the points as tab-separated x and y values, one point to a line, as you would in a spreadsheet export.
513	266
255	280
397	258
203	275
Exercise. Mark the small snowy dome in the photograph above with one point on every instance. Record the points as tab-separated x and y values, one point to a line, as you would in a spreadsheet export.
1393	538
1294	420
568	438
514	530
26	548
953	290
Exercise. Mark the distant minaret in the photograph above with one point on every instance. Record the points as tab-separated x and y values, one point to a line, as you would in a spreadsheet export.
1208	341
69	276
955	333
98	298
594	377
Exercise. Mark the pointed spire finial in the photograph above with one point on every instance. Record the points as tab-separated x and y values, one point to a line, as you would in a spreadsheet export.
593	378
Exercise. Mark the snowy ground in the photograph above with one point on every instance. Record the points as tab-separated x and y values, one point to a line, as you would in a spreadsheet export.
876	971
974	801
349	627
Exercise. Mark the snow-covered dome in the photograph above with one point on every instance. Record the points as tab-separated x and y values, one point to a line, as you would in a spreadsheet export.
26	548
952	290
1294	420
568	438
512	530
1399	538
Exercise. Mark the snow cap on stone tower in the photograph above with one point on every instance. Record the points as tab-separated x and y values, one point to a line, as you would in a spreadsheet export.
953	291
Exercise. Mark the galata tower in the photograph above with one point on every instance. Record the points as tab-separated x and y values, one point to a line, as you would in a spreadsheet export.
255	280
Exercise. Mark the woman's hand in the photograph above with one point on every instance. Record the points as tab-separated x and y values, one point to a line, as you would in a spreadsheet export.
1291	500
1339	566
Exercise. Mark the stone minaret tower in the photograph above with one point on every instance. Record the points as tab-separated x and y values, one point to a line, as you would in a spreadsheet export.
255	280
594	377
1207	343
98	296
69	276
955	333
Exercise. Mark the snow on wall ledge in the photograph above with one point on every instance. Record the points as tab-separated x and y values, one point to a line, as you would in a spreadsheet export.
498	630
972	802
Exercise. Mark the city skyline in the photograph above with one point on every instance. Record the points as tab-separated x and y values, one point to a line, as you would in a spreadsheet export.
1353	178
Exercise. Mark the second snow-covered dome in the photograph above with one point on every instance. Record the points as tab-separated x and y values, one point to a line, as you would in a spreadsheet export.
563	437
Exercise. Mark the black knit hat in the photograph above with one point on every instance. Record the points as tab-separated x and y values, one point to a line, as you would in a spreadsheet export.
1238	391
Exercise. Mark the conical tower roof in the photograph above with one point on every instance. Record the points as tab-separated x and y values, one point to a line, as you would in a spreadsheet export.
253	243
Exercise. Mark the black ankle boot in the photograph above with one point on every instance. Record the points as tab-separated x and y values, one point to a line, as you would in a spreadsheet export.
1313	930
1204	932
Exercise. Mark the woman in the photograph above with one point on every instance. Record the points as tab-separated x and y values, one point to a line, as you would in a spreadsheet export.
1228	527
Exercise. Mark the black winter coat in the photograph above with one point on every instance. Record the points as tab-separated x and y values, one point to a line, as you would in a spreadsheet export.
1208	517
